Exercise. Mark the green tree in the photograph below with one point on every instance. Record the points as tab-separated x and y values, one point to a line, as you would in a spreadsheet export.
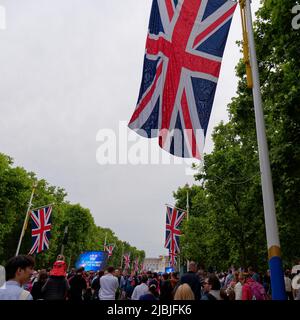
83	234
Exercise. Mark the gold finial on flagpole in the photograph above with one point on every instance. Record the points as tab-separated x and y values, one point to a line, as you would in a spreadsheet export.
246	51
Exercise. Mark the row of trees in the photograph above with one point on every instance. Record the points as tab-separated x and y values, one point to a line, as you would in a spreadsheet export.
15	189
226	224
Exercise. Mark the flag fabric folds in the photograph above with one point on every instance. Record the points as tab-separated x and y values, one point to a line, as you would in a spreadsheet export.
41	227
184	49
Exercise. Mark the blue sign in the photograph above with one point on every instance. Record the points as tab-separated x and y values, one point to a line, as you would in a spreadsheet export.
92	260
169	270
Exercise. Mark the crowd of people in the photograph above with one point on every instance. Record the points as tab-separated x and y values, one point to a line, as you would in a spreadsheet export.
25	283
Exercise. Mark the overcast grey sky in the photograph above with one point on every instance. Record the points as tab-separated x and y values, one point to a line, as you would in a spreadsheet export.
71	68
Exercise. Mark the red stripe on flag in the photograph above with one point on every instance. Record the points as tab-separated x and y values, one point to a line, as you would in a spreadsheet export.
170	9
189	126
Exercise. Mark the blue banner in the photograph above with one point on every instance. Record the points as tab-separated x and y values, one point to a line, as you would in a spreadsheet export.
92	260
169	270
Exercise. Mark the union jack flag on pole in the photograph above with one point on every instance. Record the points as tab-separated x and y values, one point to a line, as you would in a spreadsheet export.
127	260
41	226
173	222
142	266
184	49
109	248
136	264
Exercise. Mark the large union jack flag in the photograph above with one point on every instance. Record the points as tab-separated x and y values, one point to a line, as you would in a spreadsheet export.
173	222
109	248
41	226
184	49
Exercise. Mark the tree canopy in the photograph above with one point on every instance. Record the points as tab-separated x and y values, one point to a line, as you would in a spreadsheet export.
83	234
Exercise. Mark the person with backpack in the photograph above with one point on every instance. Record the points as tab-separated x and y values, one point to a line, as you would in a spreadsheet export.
18	271
56	286
253	290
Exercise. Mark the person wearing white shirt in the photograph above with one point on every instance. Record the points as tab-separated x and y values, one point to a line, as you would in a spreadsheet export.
141	289
2	276
18	271
238	287
108	285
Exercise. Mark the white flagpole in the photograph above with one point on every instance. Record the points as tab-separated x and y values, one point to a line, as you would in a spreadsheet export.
277	279
26	219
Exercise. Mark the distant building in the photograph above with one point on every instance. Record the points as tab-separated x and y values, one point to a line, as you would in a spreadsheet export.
156	264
